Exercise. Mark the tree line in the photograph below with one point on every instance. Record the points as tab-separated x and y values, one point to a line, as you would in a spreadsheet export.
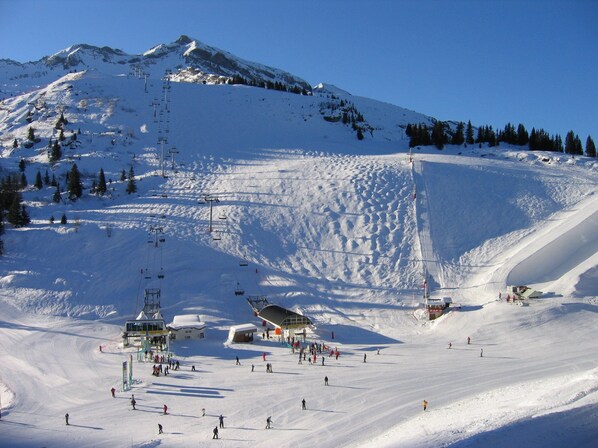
441	133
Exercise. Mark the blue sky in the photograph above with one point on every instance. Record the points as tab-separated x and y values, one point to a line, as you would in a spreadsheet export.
489	61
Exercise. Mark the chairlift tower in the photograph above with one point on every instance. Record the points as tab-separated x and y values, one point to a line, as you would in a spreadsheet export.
211	200
172	152
162	141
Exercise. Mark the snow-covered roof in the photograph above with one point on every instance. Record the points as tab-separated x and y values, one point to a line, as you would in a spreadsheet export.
141	316
186	321
243	328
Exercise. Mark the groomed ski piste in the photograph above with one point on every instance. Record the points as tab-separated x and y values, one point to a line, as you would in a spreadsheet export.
337	229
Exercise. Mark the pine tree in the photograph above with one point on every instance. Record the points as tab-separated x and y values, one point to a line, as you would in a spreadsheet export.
63	219
359	134
22	165
522	135
590	147
458	136
74	186
56	152
14	212
438	137
573	144
469	134
38	181
123	176
24	218
46	178
31	134
131	186
101	187
15	144
57	196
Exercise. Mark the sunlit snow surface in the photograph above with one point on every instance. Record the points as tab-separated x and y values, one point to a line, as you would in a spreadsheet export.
339	229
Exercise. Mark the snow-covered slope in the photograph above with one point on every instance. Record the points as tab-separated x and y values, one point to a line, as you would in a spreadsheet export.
340	229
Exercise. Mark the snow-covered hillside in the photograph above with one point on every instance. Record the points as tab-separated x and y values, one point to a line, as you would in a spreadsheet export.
339	229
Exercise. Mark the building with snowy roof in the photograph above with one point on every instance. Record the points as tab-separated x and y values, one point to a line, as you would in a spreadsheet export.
242	333
187	326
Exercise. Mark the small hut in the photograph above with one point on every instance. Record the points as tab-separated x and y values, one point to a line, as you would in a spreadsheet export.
242	333
187	326
436	307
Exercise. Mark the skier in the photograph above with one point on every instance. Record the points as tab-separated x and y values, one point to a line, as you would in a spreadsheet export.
113	391
322	360
481	353
425	404
268	422
160	429
252	367
165	409
192	368
215	431
450	344
221	418
468	340
133	402
364	356
325	381
303	404
66	418
203	412
264	356
238	362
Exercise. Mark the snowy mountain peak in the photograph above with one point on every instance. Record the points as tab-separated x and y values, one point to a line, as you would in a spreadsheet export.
188	59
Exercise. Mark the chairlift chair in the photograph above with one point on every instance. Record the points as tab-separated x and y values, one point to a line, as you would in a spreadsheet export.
239	291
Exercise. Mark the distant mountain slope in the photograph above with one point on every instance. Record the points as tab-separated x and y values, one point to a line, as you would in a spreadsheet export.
186	59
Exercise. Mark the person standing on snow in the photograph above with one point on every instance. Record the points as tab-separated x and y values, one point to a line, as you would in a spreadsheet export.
303	404
365	357
113	391
425	404
160	429
133	402
165	409
66	418
215	431
325	381
221	418
468	340
268	422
